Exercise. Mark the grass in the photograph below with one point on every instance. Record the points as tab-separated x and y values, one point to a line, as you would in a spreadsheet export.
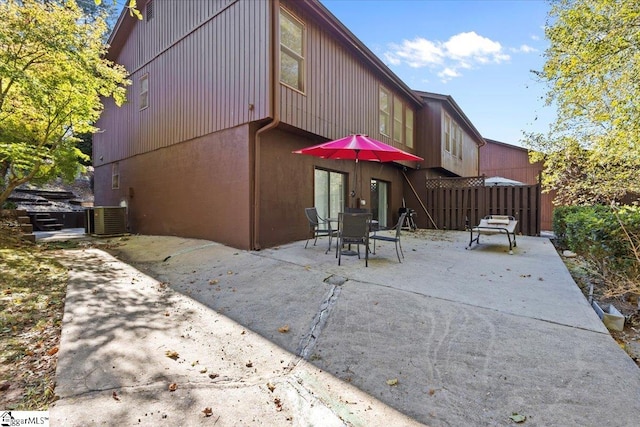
32	292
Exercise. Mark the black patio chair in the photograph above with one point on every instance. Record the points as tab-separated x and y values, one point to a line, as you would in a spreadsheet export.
353	229
318	227
395	239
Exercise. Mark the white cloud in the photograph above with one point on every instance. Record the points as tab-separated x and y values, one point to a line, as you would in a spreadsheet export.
462	51
472	46
416	53
524	49
448	74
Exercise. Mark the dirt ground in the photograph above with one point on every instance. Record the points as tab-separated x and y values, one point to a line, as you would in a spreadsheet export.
593	288
32	292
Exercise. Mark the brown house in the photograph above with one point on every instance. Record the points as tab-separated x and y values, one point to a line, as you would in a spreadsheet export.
224	90
512	162
450	141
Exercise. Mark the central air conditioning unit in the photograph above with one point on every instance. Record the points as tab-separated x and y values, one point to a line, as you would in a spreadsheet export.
106	220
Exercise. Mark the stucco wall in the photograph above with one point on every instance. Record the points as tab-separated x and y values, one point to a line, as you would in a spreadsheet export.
199	188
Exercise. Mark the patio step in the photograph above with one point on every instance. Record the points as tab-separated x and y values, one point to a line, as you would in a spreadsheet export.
29	237
44	222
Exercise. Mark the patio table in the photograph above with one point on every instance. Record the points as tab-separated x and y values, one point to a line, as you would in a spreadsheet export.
373	226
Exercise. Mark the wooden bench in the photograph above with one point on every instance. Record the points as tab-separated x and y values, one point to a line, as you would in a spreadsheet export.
493	224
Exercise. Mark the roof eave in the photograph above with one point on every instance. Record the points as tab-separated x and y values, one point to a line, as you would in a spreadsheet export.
121	31
449	99
506	144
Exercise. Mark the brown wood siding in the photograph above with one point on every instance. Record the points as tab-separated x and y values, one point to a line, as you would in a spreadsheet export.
456	208
428	139
512	162
508	162
341	93
431	139
207	62
467	165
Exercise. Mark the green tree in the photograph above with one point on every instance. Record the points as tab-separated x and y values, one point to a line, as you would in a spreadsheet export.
592	68
85	145
53	75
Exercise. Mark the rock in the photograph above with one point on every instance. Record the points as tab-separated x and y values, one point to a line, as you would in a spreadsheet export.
569	254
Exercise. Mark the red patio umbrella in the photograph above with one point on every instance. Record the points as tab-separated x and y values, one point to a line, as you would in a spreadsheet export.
358	147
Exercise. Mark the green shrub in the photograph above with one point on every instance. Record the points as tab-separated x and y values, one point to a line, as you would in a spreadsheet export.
604	234
560	223
588	228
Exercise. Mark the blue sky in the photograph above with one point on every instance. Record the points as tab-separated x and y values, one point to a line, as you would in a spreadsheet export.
478	51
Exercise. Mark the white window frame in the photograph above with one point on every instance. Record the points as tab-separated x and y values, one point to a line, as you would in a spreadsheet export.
144	91
408	125
382	190
460	141
290	51
330	200
455	132
385	115
398	120
453	137
447	133
115	176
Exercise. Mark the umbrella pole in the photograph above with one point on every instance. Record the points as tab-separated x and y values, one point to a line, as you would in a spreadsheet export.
355	185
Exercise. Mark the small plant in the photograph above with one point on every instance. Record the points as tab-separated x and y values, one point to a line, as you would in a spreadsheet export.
9	205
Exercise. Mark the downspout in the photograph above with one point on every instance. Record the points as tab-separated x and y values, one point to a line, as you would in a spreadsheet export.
274	95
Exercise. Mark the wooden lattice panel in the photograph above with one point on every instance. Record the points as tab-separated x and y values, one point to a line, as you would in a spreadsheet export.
474	181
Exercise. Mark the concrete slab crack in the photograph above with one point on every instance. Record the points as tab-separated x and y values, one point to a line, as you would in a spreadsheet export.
308	341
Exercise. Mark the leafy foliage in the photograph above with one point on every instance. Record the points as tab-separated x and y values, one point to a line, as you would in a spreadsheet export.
560	214
52	76
592	151
32	293
607	236
85	145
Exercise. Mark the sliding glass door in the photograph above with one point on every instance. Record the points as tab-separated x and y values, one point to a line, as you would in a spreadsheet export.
329	192
380	201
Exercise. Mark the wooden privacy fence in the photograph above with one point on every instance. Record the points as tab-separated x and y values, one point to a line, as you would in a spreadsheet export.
456	203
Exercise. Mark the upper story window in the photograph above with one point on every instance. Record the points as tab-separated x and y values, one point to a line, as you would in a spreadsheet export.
446	133
144	91
292	34
453	136
398	125
408	125
385	112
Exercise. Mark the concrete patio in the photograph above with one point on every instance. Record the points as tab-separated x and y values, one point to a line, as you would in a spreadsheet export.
449	337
